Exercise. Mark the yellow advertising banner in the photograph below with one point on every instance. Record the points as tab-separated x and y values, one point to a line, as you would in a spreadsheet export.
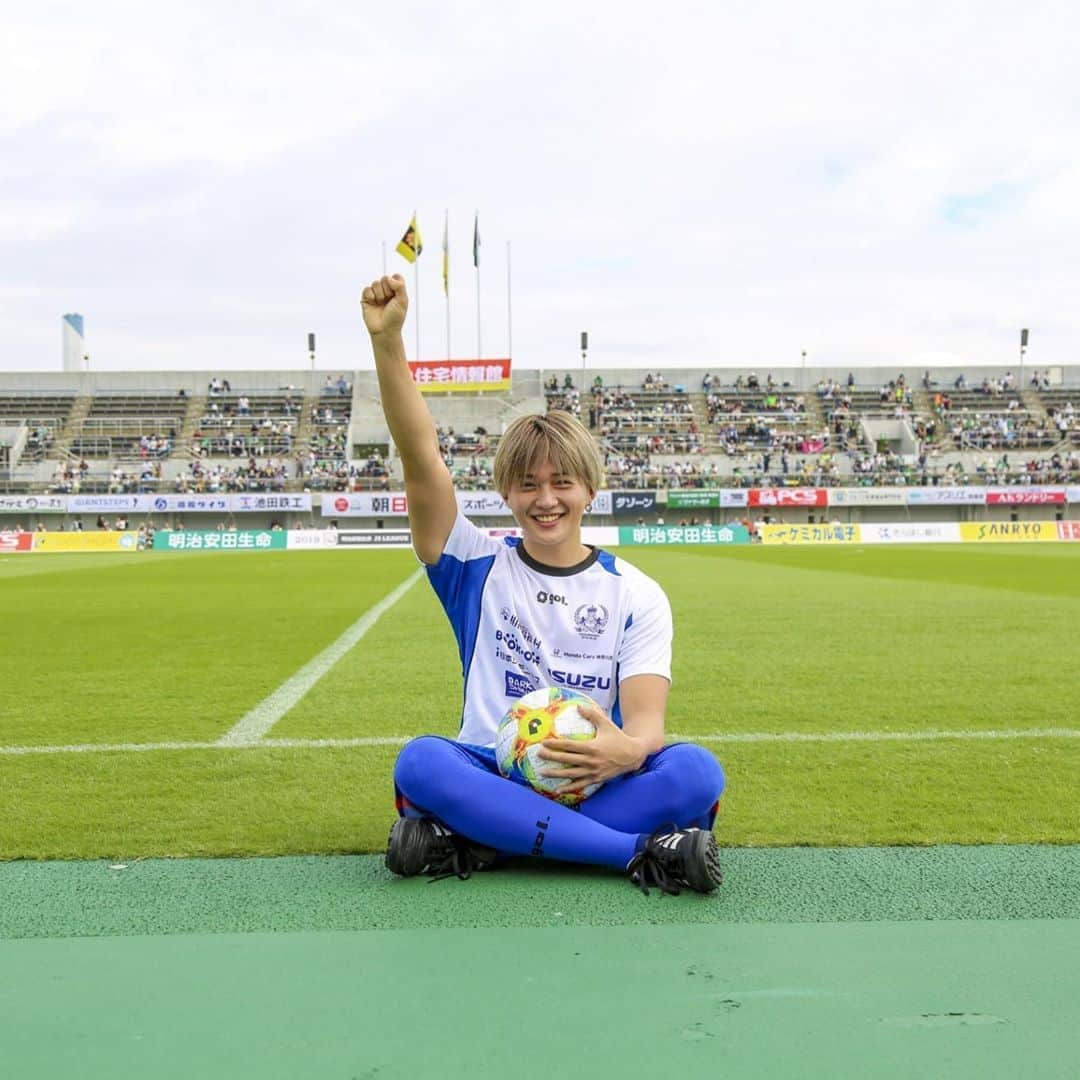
85	541
460	376
997	532
809	534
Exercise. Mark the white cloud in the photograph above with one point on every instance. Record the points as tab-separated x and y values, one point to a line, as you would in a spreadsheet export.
710	183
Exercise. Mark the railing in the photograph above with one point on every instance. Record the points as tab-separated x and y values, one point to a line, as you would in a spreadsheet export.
133	427
235	446
7	395
91	447
214	422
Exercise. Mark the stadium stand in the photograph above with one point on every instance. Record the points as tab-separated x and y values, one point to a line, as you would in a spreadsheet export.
293	431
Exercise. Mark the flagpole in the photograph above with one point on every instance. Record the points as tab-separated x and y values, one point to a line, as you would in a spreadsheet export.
446	276
416	279
479	338
476	265
509	314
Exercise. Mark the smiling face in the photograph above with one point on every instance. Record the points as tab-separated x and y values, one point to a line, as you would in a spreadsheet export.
547	468
548	506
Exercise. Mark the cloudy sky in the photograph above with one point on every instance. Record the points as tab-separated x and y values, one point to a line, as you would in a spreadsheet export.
873	182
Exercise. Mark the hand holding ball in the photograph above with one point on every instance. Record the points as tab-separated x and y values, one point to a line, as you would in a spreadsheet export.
551	712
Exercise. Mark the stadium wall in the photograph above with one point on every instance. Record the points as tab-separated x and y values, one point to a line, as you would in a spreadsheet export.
527	381
28	520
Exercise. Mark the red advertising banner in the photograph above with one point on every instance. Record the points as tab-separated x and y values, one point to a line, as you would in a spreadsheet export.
1020	497
788	497
460	376
11	541
1068	530
365	504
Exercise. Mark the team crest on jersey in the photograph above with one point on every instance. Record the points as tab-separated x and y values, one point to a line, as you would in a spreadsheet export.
590	620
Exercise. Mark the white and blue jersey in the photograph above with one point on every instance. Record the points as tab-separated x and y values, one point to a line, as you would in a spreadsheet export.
521	625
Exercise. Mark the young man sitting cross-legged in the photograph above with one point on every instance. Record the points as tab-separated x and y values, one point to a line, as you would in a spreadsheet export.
609	629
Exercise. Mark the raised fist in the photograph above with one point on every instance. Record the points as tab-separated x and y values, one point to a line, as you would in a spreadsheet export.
385	303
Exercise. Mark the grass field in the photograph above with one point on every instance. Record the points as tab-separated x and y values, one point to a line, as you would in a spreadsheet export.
853	663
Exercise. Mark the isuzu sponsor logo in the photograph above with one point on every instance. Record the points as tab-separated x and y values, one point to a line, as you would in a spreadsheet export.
581	682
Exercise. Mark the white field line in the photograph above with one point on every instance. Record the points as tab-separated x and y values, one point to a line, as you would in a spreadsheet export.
715	737
251	727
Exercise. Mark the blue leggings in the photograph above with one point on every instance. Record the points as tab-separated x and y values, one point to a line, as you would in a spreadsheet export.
460	785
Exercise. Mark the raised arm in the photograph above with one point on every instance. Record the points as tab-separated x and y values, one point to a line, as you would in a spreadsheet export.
432	506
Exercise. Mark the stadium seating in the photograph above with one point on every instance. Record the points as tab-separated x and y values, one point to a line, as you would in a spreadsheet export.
672	429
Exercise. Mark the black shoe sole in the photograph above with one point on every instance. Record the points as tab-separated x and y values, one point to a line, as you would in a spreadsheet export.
706	859
406	848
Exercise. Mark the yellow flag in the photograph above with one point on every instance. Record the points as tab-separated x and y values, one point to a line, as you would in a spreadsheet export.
410	245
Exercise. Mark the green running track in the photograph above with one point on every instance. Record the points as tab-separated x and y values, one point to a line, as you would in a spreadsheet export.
880	962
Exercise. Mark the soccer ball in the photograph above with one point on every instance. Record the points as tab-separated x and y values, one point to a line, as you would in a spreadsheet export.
551	712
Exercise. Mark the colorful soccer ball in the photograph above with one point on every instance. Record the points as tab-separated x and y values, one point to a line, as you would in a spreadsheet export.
551	712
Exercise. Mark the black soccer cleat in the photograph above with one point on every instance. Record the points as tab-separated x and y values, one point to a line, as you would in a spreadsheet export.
424	846
675	857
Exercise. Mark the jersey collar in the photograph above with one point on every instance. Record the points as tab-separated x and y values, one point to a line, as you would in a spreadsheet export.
558	571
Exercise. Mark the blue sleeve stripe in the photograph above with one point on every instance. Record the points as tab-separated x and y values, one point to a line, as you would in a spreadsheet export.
616	711
470	630
459	586
607	561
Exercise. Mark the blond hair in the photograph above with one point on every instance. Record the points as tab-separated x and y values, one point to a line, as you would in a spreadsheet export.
555	438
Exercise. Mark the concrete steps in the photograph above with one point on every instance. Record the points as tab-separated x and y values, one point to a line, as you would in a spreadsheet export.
72	426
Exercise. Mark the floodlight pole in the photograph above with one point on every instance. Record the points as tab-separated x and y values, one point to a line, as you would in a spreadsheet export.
1023	352
584	350
804	371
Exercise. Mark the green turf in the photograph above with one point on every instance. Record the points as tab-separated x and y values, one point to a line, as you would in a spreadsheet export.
171	648
161	647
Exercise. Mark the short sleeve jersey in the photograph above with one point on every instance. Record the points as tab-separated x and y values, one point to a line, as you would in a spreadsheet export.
521	625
